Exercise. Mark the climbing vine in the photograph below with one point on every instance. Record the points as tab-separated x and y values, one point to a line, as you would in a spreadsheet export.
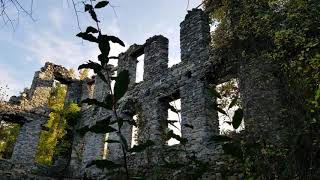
54	129
54	138
285	32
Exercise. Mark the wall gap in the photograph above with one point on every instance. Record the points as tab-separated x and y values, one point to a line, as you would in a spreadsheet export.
8	136
140	69
105	149
134	137
54	129
229	92
174	120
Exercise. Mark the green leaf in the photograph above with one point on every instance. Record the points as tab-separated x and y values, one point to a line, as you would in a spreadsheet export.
141	147
220	110
101	4
104	164
103	126
103	59
213	92
91	65
93	15
237	118
91	29
233	102
121	85
104	45
173	109
188	126
87	7
171	122
115	39
113	57
87	37
170	135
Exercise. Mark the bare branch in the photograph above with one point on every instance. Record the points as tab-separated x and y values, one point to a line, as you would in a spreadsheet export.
114	9
200	5
23	9
15	5
76	13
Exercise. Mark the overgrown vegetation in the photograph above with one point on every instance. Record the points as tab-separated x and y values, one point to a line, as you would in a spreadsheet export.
8	131
8	136
54	136
54	128
287	33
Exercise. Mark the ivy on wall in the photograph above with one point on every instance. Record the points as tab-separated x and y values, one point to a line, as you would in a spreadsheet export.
287	33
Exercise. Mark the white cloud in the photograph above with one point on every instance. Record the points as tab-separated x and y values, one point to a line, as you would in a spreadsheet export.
47	46
6	78
112	28
56	17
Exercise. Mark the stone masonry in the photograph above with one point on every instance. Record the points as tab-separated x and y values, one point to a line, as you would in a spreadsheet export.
149	99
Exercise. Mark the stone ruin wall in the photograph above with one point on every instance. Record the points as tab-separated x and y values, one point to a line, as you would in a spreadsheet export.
260	90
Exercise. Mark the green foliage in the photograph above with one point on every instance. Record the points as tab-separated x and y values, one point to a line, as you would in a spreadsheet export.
171	134
71	113
56	127
53	140
101	4
286	33
8	136
120	88
84	73
237	118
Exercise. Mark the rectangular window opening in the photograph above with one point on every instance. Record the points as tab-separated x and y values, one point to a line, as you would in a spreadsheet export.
174	120
105	148
134	137
140	69
52	133
229	102
8	136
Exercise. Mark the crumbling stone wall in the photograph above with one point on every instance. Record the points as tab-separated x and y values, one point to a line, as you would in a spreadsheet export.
31	111
189	80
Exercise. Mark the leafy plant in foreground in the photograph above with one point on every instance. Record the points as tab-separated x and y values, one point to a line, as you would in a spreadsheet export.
95	35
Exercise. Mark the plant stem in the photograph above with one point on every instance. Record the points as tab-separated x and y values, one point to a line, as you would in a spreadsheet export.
119	128
115	110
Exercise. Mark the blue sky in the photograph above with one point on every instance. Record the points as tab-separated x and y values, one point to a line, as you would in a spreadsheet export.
51	37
